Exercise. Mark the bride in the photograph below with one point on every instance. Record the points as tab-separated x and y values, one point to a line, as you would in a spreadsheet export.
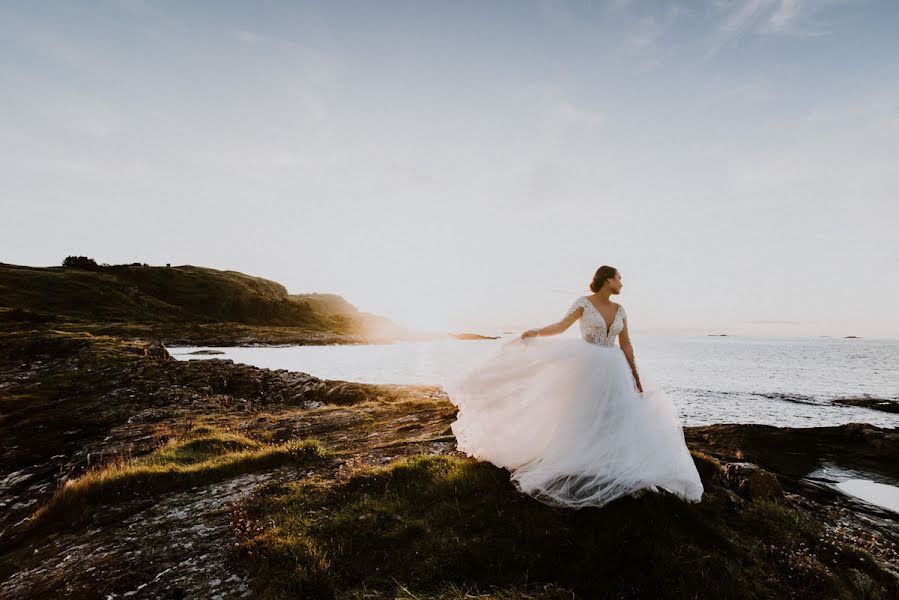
570	418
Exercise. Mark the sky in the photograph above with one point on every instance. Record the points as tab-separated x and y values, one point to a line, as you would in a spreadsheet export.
467	166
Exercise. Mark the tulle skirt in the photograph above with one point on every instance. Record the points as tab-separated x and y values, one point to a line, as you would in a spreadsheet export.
564	416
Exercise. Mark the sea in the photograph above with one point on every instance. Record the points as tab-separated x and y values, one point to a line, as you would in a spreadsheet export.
782	381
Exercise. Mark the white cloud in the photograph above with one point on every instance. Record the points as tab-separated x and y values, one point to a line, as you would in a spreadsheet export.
795	18
784	14
742	14
645	38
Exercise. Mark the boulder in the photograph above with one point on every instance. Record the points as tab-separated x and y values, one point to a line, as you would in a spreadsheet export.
753	482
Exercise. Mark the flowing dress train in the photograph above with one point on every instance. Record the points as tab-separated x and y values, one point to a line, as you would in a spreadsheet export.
564	416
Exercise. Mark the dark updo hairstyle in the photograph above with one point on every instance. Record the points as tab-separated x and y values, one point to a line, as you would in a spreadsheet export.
602	273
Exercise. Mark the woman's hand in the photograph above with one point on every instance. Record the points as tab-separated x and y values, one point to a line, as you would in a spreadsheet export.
529	333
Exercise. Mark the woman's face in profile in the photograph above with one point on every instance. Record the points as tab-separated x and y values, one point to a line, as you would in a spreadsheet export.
616	283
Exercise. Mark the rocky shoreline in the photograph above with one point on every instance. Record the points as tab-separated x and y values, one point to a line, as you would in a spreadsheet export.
882	404
229	335
75	403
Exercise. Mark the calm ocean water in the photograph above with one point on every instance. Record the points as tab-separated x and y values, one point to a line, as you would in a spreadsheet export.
735	379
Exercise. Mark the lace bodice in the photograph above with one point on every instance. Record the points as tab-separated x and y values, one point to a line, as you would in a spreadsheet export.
593	325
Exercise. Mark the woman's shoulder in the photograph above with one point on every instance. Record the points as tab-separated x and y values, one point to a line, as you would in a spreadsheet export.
577	304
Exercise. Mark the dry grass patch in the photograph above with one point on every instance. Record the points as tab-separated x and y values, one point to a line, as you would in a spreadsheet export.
204	455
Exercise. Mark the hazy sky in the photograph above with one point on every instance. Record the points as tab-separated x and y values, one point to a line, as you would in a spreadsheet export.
469	165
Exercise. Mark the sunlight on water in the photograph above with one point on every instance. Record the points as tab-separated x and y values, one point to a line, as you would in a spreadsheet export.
886	496
777	381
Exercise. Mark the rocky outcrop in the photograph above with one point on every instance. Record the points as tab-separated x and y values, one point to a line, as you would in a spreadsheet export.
798	458
753	482
883	404
793	452
74	402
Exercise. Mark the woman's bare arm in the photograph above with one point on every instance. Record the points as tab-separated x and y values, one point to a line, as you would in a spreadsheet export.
624	340
557	327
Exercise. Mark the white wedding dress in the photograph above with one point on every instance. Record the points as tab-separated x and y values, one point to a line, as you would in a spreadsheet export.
565	417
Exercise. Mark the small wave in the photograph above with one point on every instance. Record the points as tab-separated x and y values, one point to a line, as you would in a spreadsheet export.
701	393
796	398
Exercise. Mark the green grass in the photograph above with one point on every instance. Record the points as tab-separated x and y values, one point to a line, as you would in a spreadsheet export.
204	455
429	522
785	526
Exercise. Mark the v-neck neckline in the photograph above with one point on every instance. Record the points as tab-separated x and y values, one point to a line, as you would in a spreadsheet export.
609	326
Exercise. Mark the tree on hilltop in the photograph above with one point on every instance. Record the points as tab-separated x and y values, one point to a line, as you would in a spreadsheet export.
80	262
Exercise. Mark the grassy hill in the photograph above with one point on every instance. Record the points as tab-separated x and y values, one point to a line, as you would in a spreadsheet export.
178	298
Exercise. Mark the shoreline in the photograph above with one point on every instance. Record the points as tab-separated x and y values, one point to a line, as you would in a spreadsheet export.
75	403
